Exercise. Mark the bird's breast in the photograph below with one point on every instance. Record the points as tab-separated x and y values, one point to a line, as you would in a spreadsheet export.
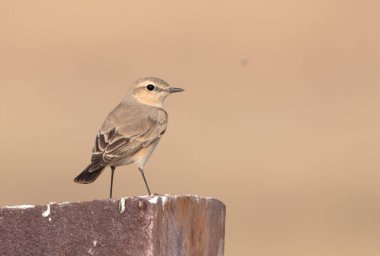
140	157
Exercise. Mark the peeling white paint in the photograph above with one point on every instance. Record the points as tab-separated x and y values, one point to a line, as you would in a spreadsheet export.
46	213
164	199
122	204
91	250
64	203
25	206
143	197
153	200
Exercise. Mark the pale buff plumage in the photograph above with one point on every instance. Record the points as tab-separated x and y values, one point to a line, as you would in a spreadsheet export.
131	131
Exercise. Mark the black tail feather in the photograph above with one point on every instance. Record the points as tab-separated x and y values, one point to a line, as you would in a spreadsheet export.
88	175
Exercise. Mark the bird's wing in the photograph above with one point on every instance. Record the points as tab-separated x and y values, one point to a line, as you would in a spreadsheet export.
116	141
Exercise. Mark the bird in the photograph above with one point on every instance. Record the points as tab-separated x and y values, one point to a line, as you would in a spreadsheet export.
131	131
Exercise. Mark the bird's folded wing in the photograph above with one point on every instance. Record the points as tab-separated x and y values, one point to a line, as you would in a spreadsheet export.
116	143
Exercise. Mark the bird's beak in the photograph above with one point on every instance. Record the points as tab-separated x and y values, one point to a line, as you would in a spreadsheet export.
174	89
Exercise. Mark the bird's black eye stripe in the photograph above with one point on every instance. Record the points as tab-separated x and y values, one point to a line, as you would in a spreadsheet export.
150	87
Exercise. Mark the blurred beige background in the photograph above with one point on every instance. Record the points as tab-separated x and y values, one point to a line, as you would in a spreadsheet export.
280	118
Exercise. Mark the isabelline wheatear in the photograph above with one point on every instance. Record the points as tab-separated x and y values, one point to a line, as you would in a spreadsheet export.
131	131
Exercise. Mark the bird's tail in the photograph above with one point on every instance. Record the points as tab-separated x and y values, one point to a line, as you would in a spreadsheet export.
89	175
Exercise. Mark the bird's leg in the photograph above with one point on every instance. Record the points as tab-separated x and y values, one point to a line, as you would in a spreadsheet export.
146	183
112	173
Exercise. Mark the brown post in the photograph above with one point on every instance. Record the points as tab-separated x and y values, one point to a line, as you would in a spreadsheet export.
152	225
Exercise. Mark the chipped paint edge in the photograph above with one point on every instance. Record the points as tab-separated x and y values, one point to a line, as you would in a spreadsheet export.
24	206
122	204
46	213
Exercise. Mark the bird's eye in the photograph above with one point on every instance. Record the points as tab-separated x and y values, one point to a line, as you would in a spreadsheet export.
150	87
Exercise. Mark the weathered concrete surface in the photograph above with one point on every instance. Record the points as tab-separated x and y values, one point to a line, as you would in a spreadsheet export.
151	225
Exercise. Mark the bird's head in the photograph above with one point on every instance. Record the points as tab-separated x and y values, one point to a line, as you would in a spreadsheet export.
152	91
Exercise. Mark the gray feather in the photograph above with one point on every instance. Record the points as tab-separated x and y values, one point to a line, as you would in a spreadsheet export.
127	129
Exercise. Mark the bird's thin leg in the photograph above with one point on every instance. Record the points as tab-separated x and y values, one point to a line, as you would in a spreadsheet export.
146	183
112	173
